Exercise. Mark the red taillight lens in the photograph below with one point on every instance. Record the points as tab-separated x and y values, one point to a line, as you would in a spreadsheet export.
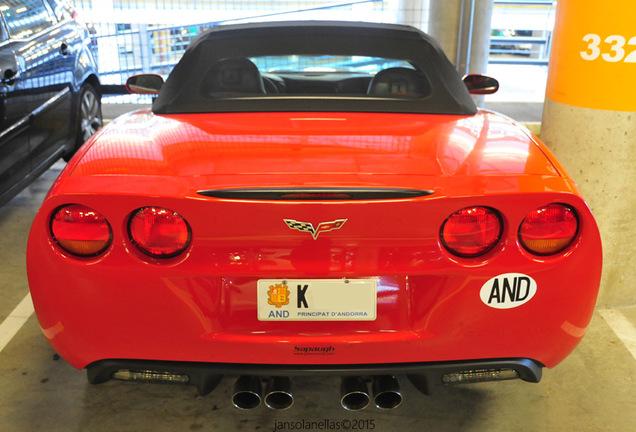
549	229
159	232
472	231
80	230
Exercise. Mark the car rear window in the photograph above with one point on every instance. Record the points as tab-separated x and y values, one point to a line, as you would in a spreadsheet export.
321	75
314	66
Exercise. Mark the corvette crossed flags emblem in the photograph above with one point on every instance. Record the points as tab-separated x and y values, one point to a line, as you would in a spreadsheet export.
315	232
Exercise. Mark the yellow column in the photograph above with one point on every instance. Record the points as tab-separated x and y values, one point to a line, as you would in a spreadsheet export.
589	122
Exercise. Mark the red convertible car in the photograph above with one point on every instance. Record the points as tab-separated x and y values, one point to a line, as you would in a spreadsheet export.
314	198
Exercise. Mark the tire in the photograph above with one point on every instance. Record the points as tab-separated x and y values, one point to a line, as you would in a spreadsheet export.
89	117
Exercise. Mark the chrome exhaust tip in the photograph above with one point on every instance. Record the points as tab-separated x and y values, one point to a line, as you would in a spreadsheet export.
386	392
278	395
247	392
354	394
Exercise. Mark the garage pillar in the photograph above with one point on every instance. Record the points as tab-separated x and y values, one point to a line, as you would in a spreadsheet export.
462	27
589	122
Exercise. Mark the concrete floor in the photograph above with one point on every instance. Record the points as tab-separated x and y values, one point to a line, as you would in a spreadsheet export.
592	390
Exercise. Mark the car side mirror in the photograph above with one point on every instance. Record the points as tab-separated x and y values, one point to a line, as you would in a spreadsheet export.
481	84
144	84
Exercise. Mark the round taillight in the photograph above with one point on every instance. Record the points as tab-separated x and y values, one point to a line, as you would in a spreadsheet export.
471	231
549	230
159	232
80	230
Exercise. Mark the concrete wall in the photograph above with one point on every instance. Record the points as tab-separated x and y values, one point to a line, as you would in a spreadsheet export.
598	149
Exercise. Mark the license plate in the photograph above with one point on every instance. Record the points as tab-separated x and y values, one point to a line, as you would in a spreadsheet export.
317	299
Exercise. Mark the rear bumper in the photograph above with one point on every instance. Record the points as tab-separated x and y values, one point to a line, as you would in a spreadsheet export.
205	376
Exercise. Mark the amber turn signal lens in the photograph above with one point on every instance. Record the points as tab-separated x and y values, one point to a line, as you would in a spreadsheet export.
549	230
159	232
80	230
471	231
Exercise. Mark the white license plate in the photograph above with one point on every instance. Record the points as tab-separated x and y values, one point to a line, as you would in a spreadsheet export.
317	299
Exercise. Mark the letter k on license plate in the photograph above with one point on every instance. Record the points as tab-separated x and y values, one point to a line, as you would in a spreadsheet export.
317	299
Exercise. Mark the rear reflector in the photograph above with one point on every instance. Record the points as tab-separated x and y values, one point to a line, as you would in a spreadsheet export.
471	231
80	230
159	232
151	376
549	230
477	376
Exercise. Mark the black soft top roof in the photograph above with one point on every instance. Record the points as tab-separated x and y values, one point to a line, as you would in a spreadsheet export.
180	94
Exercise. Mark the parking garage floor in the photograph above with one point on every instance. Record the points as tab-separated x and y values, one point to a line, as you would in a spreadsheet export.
592	390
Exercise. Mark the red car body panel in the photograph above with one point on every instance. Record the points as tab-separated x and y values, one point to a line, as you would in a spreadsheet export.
201	305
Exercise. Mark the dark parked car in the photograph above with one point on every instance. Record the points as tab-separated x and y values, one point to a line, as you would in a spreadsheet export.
50	97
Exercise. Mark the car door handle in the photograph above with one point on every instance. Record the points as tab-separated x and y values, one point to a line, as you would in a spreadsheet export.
64	50
9	77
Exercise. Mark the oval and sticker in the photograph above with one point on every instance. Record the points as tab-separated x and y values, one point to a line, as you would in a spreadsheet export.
508	291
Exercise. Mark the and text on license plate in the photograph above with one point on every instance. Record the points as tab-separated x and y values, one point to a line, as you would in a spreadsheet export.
317	299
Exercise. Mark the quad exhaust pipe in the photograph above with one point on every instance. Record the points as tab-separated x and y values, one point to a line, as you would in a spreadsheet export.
278	395
248	393
386	392
355	395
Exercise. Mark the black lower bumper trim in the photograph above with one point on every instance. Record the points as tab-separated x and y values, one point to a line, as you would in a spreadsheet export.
206	376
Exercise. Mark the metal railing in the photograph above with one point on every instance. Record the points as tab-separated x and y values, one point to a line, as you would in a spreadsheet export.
125	49
523	44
